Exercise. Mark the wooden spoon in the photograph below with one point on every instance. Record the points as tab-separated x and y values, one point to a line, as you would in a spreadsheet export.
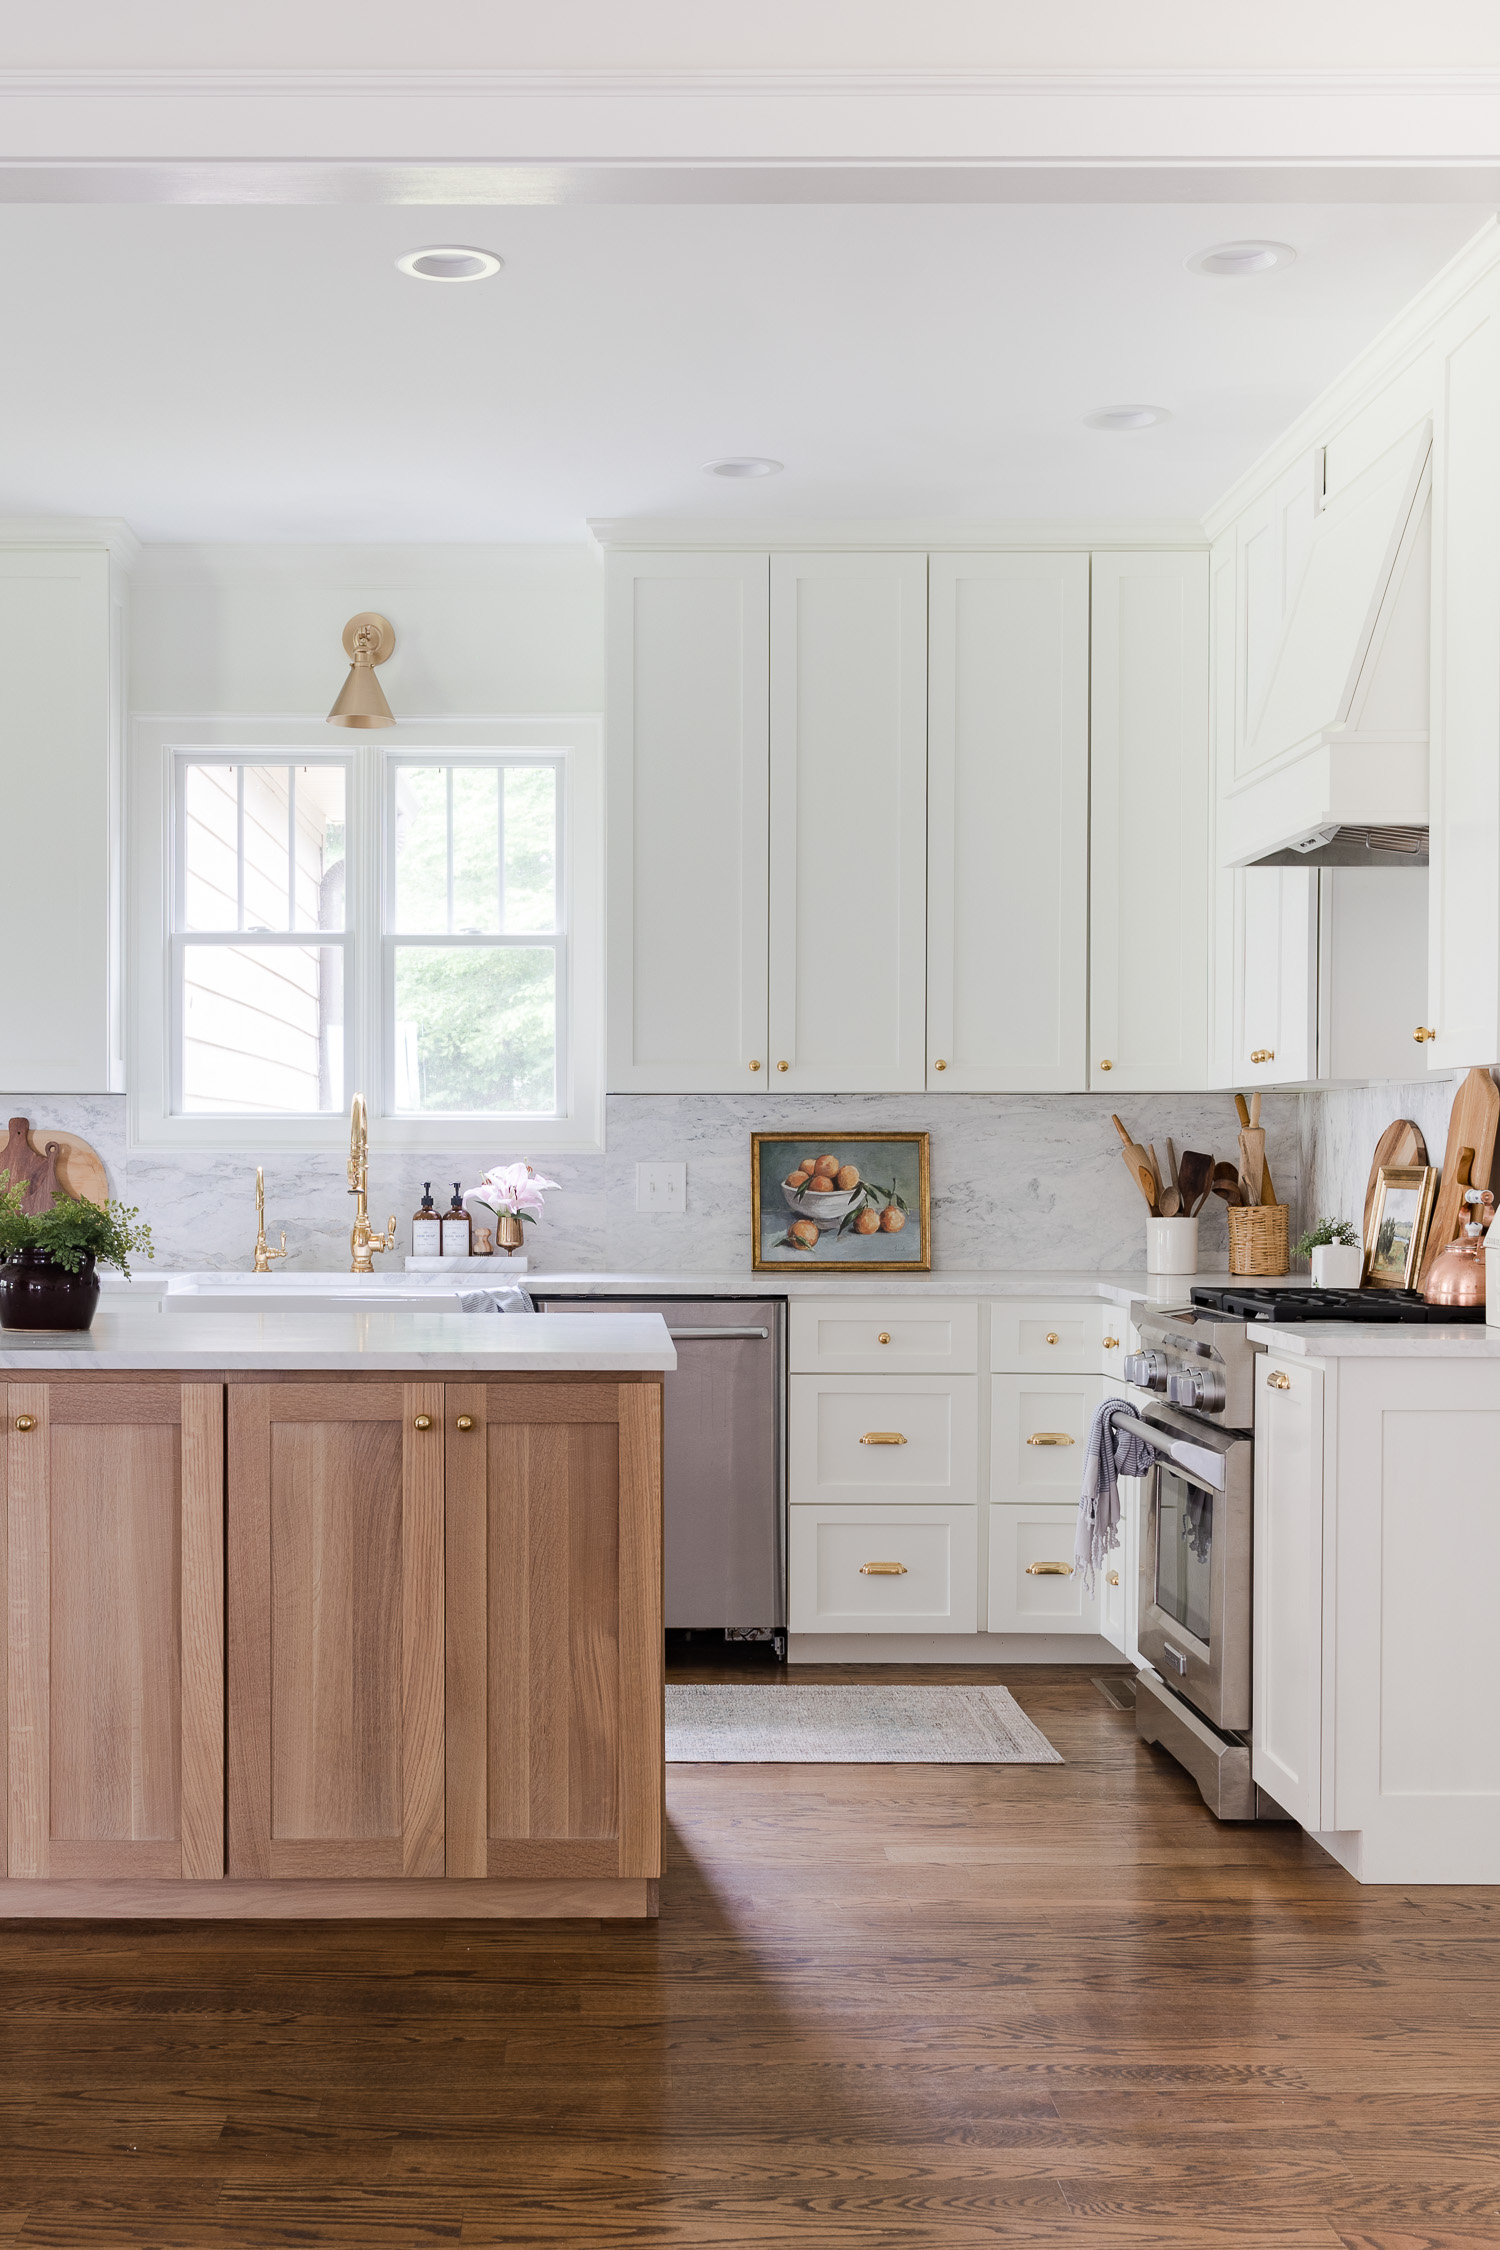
1136	1163
1268	1192
1226	1182
1195	1173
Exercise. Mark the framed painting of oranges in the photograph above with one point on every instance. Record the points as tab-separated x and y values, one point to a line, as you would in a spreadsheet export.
841	1202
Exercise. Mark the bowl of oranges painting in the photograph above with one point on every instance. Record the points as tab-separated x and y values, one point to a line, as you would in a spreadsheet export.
854	1200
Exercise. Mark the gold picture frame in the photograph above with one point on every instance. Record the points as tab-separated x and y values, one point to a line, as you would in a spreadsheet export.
891	1187
1399	1219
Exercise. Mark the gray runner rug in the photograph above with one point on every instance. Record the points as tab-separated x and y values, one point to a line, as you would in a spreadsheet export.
867	1725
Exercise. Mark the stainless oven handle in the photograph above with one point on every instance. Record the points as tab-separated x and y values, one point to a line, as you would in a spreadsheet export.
1168	1448
698	1333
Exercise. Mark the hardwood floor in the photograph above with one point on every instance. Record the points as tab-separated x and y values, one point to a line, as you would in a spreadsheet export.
892	2006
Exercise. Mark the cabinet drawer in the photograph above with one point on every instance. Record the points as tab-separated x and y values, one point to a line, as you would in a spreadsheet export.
1040	1337
1034	1587
856	1438
1039	1426
880	1335
834	1588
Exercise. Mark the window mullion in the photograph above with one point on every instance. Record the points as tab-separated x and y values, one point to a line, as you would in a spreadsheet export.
291	847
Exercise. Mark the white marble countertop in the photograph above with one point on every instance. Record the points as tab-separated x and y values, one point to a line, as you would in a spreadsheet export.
283	1336
1352	1339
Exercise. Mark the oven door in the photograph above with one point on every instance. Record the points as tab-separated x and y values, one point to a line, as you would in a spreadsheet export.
1195	1566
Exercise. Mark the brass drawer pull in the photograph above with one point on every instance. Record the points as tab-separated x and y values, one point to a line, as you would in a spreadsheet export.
882	1437
464	1422
421	1421
882	1570
883	1337
1276	1381
1114	1578
25	1422
1263	1054
1111	1343
1050	1437
1049	1570
1053	1337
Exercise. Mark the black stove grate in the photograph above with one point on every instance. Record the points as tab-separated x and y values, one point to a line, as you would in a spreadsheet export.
1283	1307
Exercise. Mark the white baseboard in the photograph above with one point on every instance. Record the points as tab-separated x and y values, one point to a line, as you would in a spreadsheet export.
951	1648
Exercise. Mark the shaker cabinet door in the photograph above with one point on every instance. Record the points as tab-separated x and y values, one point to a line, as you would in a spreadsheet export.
1008	829
554	1573
112	1518
336	1629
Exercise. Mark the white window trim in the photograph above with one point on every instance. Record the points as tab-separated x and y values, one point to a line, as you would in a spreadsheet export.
156	741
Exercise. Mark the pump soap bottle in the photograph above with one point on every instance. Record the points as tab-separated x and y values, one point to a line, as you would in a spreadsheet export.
456	1227
426	1227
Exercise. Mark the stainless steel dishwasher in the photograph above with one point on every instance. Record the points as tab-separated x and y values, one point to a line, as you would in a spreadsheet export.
722	1458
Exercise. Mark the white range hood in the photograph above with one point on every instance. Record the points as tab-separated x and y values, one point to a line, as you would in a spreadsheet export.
1338	746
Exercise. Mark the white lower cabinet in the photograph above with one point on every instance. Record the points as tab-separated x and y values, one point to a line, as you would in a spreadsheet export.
1287	1719
1039	1426
883	1569
860	1438
1034	1585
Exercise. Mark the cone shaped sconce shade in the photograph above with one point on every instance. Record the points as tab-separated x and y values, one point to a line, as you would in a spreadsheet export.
368	641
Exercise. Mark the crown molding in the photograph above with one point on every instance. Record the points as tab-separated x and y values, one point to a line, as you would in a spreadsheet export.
373	563
73	532
1398	342
667	534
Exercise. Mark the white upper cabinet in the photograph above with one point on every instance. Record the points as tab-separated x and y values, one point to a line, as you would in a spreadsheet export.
1007	838
1276	976
1149	822
61	664
848	822
688	822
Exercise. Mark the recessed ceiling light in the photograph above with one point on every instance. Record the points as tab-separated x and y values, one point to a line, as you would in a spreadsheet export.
1237	260
449	261
1127	417
744	465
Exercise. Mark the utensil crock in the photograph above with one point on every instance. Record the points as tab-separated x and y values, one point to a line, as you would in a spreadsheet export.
1171	1246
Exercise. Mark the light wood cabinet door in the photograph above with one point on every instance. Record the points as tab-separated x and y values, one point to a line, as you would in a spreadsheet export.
1148	928
848	932
686	759
1007	835
336	1629
554	1656
113	1527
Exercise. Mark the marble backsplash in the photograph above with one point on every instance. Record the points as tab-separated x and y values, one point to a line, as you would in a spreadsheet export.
1340	1129
1018	1180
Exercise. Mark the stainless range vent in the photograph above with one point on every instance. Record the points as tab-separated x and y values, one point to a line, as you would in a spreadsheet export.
1352	846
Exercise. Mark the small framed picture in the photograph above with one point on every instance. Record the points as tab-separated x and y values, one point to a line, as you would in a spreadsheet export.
1399	1218
840	1202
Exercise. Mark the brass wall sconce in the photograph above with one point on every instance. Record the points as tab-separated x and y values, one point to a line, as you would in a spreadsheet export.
368	641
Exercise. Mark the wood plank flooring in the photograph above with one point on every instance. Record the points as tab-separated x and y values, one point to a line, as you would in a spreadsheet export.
894	2006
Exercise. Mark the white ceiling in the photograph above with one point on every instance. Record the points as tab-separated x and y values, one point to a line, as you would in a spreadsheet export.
264	373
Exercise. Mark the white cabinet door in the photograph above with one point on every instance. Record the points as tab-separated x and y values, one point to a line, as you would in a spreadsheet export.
1276	977
882	1570
852	1439
1039	1427
1372	970
1007	837
882	1336
848	823
60	660
1286	1729
1034	1586
1148	973
687	751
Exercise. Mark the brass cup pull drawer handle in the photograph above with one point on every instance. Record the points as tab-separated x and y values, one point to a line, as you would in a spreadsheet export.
882	1437
464	1422
421	1421
1050	1437
882	1570
25	1422
1049	1570
1276	1381
1263	1054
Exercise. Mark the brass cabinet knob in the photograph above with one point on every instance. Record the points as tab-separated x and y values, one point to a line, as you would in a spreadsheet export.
884	1336
464	1422
1114	1578
421	1421
783	1066
1049	1570
1106	1066
1049	1437
882	1437
1111	1343
882	1570
1263	1054
1277	1381
25	1422
1422	1035
1053	1337
940	1064
755	1066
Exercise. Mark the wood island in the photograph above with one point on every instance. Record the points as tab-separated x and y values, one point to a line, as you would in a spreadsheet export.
333	1614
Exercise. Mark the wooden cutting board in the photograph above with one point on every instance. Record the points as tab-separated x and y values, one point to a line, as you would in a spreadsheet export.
1472	1125
1401	1143
48	1161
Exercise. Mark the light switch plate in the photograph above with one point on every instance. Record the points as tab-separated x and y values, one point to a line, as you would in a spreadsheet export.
661	1187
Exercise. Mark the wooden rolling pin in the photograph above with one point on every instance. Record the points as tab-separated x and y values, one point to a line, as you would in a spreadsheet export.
1267	1191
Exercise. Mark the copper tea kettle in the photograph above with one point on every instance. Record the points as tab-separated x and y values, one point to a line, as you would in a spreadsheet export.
1456	1275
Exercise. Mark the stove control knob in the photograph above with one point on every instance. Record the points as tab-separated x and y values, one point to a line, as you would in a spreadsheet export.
1197	1387
1146	1370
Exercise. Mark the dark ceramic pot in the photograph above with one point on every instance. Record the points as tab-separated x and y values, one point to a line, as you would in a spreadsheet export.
34	1293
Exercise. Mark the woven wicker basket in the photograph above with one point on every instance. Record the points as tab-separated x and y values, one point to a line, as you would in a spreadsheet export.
1257	1238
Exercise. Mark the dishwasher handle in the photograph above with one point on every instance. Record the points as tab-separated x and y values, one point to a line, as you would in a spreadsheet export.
696	1334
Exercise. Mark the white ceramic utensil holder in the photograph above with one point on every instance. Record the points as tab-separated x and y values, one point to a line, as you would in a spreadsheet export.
1171	1246
1337	1265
